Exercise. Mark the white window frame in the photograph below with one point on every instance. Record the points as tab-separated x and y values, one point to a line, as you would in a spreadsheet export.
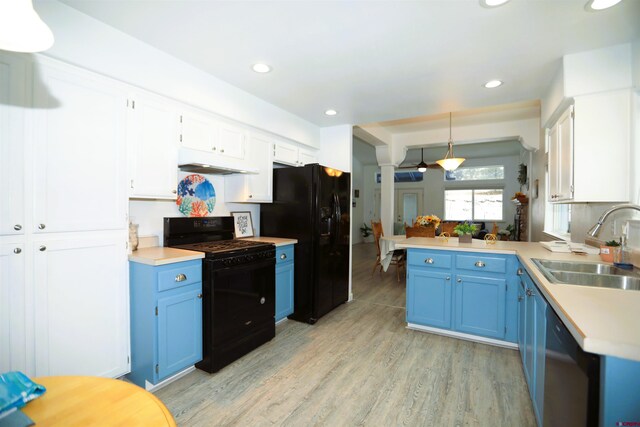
556	215
473	189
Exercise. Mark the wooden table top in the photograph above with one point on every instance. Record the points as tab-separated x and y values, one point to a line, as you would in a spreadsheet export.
86	401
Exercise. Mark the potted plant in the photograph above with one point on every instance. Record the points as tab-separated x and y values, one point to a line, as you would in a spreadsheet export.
429	222
606	250
465	231
366	232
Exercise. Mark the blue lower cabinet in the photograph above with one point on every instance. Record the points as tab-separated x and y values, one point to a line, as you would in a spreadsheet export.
480	306
429	298
166	319
522	318
284	281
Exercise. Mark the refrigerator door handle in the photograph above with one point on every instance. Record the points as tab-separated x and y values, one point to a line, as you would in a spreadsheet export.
336	202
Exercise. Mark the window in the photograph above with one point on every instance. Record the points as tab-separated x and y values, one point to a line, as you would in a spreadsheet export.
475	173
557	217
473	204
412	176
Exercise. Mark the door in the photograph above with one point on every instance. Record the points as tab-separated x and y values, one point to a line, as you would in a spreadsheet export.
540	348
13	344
152	135
530	336
565	156
81	305
429	298
179	330
480	306
408	205
78	160
284	290
12	98
260	155
522	319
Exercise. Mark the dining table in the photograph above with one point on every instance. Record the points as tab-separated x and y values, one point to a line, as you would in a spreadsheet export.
387	246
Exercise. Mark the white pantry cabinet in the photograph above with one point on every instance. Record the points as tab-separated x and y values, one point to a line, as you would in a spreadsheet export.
589	151
81	310
13	341
253	188
205	132
292	155
78	151
13	95
153	141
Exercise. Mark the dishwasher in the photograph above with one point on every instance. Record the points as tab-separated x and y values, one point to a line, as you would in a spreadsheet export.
571	381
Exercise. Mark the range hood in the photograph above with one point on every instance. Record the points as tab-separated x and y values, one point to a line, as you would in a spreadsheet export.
190	160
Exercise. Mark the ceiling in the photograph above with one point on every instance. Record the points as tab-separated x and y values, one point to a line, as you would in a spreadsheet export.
374	60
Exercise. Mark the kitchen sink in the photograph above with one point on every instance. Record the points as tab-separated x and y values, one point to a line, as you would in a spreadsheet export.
589	274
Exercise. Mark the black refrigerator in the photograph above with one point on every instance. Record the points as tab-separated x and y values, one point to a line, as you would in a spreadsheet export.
311	204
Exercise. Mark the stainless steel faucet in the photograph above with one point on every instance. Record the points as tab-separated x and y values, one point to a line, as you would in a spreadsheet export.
596	228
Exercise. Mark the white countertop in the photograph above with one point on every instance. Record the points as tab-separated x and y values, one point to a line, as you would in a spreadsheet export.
278	241
603	321
159	255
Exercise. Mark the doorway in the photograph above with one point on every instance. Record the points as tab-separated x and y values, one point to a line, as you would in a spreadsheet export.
408	204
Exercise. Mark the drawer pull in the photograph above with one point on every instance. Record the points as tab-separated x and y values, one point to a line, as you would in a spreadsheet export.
479	264
448	278
41	226
520	272
42	248
262	300
283	256
17	227
428	261
200	296
459	280
17	250
181	277
530	293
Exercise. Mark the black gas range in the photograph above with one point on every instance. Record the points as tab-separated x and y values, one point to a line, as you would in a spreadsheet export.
238	286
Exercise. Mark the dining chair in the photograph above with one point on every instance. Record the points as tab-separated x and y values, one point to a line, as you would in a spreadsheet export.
399	255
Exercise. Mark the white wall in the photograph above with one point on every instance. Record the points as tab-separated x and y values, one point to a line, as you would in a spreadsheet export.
357	211
91	44
336	145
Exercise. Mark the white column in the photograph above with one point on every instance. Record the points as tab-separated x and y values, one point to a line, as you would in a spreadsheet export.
387	195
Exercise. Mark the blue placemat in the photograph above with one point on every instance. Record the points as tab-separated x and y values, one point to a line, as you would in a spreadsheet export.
16	389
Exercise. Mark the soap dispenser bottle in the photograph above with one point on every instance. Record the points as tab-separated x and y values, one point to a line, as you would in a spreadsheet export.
622	256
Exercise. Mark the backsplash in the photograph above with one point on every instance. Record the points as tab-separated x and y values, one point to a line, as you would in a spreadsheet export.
149	213
585	215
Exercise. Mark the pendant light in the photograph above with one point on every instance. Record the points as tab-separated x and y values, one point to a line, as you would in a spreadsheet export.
21	29
422	166
450	163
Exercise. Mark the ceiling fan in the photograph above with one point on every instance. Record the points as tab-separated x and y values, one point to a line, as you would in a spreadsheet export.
422	166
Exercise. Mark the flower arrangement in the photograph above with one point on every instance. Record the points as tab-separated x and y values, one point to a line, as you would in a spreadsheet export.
465	228
427	220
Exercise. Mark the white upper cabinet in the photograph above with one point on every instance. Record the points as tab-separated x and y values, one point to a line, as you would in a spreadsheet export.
253	188
153	140
12	97
589	151
80	304
289	154
204	132
78	142
231	142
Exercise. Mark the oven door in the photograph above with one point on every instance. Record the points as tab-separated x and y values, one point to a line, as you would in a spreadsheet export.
242	298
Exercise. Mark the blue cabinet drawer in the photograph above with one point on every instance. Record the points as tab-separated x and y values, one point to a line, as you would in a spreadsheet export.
482	263
284	254
179	274
429	259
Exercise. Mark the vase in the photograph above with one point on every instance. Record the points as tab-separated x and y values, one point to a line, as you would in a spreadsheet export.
464	238
606	253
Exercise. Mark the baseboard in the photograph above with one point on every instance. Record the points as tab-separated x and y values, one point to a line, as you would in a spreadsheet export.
281	320
463	336
153	387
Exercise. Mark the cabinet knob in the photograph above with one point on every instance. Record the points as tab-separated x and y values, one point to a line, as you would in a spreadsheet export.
530	293
459	280
213	148
283	256
250	196
17	250
42	248
479	264
222	151
181	277
200	296
41	226
174	191
262	300
448	278
520	272
428	261
17	227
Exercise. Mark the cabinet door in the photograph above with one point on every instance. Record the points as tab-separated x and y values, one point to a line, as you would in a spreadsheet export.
565	156
78	160
284	290
199	131
81	321
260	186
522	319
540	349
480	306
179	330
552	163
307	156
12	97
231	141
529	339
285	153
13	344
152	135
429	298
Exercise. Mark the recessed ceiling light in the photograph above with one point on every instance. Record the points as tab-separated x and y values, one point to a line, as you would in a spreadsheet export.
331	112
261	68
492	3
493	84
595	5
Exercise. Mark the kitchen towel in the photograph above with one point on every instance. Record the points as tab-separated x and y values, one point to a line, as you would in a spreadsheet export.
16	389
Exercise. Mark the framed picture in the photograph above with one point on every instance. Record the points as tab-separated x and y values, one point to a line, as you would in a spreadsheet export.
242	224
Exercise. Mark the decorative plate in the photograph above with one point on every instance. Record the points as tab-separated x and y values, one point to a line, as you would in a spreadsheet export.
196	196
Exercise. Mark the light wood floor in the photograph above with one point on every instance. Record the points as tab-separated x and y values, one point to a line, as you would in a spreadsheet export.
359	365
